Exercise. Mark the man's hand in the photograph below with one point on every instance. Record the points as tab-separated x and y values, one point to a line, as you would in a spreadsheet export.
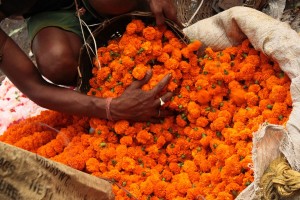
138	105
163	9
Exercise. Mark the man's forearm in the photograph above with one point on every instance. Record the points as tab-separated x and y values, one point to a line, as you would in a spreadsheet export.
26	77
68	101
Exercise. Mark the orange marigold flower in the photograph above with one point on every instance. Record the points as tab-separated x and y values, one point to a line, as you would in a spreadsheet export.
237	96
171	64
127	62
169	34
182	182
219	124
163	57
131	28
162	159
121	126
224	151
174	167
224	57
161	141
144	137
194	46
127	80
226	114
233	188
203	96
127	164
146	187
146	47
254	88
104	59
113	47
38	139
139	23
92	165
193	109
135	189
184	66
224	195
176	43
105	153
149	33
201	83
278	94
272	81
139	71
251	98
246	72
171	192
189	166
186	53
168	48
176	54
160	189
167	174
103	73
288	99
217	101
130	50
180	121
205	140
232	166
157	50
202	122
126	140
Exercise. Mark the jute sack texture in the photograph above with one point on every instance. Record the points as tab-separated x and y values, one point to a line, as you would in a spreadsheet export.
27	176
279	41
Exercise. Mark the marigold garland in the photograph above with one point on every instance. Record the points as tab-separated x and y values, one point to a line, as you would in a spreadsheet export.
202	152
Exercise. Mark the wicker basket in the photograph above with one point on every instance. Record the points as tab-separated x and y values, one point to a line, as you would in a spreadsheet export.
108	30
188	12
191	11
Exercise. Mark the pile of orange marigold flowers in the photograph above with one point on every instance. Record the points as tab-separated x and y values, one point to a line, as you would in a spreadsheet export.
203	152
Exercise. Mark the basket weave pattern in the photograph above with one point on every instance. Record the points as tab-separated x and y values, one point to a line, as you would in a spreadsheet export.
186	9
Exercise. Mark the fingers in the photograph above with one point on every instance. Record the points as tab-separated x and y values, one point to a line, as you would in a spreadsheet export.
163	9
139	84
179	24
163	99
171	13
161	85
162	113
160	18
157	8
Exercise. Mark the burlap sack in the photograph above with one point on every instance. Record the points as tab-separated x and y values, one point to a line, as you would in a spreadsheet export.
28	176
277	40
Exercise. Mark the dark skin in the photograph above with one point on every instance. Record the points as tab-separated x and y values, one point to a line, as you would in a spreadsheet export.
57	53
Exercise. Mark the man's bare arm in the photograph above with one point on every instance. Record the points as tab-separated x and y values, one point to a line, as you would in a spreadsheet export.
25	76
134	105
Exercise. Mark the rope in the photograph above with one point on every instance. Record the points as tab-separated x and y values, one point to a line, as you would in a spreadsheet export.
193	16
279	180
191	11
81	22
